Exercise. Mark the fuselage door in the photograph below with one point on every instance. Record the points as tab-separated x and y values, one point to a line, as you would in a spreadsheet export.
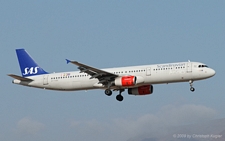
45	79
189	67
148	71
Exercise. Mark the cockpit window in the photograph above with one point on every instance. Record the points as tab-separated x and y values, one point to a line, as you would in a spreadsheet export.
203	66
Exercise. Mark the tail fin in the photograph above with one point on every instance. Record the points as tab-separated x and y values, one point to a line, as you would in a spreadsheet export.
28	66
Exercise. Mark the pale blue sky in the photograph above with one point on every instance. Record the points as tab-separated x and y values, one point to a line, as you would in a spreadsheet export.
108	34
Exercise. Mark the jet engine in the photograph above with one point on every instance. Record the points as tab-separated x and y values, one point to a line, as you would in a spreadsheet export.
128	80
142	90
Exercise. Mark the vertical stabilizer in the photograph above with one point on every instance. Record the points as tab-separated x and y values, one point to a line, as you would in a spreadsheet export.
28	66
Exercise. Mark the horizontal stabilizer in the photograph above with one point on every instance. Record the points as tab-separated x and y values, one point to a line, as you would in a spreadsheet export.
19	77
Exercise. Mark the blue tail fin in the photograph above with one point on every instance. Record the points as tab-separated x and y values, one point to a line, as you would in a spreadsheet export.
28	66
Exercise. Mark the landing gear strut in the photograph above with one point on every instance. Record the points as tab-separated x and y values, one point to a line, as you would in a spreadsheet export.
119	97
191	85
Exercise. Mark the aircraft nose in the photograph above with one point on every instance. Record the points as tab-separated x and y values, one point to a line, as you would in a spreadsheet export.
212	72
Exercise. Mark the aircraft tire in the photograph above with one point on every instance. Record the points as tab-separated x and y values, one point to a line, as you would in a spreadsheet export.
108	92
192	89
119	97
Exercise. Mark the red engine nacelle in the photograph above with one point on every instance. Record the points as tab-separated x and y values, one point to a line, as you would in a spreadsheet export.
142	90
125	81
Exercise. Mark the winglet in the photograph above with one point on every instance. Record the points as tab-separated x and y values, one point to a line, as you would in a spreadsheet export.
68	61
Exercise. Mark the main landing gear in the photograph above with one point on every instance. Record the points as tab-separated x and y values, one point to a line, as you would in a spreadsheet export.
108	92
191	85
119	97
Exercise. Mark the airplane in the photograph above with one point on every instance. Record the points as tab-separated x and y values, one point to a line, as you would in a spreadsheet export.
138	80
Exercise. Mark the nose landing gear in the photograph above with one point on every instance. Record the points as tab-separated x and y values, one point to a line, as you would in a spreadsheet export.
192	89
191	85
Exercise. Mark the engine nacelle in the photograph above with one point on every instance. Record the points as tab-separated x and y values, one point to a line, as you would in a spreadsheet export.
125	81
142	90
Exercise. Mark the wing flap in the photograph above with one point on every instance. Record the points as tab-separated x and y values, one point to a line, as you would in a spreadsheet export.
19	77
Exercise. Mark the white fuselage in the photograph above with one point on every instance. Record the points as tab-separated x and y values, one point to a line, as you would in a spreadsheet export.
152	74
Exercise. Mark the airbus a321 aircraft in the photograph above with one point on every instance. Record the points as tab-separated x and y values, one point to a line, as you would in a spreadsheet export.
139	80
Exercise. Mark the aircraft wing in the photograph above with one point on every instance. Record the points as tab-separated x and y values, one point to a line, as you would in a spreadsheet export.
104	77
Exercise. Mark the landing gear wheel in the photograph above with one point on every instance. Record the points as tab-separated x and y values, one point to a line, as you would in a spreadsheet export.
108	92
119	97
192	89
